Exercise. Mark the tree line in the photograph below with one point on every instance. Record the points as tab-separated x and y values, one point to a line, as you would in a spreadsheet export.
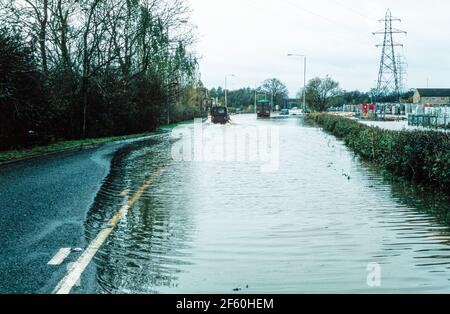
73	69
321	95
272	89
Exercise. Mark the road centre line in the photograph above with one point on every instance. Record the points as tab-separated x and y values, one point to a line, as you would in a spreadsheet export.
73	276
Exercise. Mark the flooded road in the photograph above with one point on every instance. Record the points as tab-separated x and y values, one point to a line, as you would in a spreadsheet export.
318	224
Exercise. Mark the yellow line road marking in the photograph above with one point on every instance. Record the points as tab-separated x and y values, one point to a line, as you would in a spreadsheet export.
74	274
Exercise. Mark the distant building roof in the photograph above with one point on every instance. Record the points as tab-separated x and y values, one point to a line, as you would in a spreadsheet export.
434	92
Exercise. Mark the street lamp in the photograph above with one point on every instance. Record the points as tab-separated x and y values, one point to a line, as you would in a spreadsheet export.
256	91
226	88
304	77
256	95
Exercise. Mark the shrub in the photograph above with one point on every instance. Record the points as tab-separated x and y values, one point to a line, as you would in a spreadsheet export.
419	156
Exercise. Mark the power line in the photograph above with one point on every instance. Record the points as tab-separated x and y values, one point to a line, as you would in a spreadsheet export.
357	12
312	12
334	35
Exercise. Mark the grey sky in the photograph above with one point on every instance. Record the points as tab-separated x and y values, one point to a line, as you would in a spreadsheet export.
251	39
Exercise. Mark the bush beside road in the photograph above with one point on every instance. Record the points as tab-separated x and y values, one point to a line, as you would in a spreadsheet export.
419	156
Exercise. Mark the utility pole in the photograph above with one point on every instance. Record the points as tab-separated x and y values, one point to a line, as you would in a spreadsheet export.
273	106
256	91
226	89
226	93
388	76
304	78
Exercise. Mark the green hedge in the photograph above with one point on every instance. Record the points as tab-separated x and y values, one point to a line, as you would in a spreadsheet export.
419	156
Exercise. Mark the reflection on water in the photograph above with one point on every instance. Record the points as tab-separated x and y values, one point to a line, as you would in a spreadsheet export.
313	226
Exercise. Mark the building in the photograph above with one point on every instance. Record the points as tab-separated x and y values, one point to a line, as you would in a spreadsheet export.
431	108
432	96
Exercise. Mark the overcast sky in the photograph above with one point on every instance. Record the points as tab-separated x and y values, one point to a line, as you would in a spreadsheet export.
251	39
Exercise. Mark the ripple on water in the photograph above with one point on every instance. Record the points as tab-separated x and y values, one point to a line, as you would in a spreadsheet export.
313	226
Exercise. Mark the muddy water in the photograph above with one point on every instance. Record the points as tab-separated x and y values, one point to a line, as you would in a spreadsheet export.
324	222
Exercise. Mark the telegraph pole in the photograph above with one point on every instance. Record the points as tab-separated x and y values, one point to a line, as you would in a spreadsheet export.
388	76
256	96
226	89
304	77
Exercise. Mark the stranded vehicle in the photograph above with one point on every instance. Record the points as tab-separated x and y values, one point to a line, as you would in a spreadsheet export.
263	109
220	115
284	112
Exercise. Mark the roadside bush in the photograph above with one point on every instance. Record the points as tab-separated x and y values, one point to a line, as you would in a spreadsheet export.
419	156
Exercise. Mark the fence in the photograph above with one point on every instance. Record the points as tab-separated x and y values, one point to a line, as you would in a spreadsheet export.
429	116
429	121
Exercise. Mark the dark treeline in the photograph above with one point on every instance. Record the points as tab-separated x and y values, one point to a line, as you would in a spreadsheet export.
236	98
271	89
322	94
89	68
358	97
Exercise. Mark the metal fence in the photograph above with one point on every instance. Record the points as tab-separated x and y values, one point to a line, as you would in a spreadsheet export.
429	121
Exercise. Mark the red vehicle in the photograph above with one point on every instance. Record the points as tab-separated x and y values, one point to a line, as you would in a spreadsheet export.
263	109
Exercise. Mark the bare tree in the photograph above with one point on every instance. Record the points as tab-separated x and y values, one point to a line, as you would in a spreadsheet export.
275	89
32	17
63	33
319	92
96	52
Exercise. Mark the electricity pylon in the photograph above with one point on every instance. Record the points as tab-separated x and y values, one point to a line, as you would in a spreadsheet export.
388	76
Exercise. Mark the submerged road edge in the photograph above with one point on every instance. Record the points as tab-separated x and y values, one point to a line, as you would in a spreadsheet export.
66	285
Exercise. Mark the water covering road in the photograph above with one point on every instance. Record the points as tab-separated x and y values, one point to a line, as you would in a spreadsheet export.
222	227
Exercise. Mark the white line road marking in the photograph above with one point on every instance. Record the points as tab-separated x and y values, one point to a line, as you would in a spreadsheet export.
124	192
74	274
59	258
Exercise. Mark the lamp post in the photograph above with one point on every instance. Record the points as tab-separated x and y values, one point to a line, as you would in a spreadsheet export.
256	91
226	88
256	96
304	77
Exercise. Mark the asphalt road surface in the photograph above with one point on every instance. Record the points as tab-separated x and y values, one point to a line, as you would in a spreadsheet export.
43	207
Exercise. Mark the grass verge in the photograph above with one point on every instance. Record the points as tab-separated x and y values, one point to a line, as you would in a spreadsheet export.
61	146
19	154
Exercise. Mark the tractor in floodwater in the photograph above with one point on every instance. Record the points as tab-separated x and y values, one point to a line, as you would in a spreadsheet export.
220	115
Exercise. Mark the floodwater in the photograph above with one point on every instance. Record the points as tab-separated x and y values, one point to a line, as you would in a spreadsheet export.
323	222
